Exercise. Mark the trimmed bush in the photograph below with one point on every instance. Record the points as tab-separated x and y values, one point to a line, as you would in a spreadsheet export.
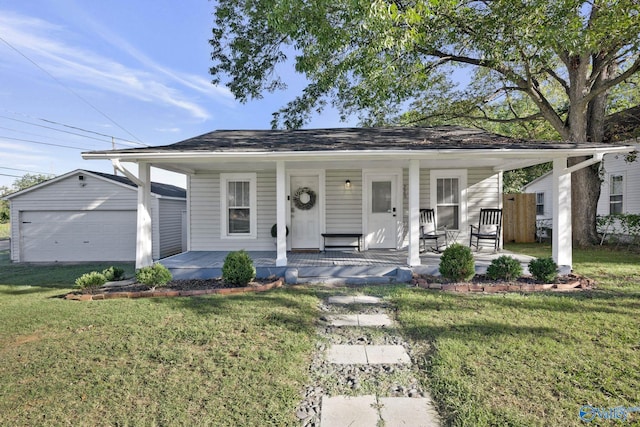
113	274
238	269
91	280
504	268
155	275
457	263
544	270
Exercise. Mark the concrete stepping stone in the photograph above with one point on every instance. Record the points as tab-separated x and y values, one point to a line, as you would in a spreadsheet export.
343	320
362	320
374	320
357	299
347	354
408	412
343	354
378	354
341	411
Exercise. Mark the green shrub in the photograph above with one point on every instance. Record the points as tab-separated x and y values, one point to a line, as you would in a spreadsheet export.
113	273
457	263
91	280
155	275
544	269
238	269
504	268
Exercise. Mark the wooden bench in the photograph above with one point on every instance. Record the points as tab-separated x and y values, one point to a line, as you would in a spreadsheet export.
326	236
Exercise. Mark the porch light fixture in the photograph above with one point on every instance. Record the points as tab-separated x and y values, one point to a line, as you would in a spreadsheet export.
347	184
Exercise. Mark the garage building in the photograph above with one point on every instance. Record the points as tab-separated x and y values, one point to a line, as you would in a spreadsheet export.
91	216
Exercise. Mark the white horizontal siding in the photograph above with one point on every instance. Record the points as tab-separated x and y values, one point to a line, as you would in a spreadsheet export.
616	165
343	205
170	226
545	186
205	214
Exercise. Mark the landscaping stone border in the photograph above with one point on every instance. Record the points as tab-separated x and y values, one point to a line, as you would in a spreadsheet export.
581	283
169	293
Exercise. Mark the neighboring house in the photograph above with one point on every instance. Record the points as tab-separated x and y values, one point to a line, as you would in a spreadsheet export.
359	181
620	191
91	216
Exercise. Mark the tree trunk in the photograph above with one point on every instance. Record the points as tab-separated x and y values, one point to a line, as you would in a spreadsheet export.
585	183
585	192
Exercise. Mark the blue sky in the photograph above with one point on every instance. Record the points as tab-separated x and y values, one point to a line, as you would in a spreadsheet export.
135	70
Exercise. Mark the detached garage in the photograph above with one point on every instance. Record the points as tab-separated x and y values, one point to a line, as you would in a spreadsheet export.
91	216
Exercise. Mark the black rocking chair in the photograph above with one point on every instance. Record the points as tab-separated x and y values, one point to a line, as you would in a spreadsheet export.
489	228
429	230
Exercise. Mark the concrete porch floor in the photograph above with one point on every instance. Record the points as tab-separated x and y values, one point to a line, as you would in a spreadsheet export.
385	265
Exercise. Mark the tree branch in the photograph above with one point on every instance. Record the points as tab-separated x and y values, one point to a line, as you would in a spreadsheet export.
612	82
557	78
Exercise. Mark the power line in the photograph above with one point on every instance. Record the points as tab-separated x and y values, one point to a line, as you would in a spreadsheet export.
14	176
45	143
54	129
69	89
25	170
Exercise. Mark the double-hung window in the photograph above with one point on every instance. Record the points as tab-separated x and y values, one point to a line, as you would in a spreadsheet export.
238	205
539	203
616	194
448	197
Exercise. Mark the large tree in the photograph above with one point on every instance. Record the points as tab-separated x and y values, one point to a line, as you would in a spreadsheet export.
379	58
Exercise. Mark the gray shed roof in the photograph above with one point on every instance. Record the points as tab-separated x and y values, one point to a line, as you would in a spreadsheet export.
158	188
349	139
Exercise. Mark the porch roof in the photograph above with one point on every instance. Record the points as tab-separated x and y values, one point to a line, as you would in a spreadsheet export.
439	147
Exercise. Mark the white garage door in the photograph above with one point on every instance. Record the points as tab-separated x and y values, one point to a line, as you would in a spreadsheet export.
78	236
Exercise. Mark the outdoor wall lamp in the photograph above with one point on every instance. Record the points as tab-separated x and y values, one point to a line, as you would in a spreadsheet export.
347	184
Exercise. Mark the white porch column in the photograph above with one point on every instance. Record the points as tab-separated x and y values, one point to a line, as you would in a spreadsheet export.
281	214
413	257
144	257
561	240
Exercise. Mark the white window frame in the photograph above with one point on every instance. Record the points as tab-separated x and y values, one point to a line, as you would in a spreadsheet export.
225	178
538	195
461	175
621	194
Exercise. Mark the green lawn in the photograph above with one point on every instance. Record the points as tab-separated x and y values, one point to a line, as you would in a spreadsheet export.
223	361
532	359
512	359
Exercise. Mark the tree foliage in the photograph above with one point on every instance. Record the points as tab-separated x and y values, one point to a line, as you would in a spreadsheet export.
21	183
549	61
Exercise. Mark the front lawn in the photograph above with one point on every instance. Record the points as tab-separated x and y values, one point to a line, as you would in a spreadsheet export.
532	359
223	361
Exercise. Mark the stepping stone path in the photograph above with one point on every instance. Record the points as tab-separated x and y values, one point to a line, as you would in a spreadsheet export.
363	373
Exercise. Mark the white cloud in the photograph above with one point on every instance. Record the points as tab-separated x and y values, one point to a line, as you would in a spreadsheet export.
45	43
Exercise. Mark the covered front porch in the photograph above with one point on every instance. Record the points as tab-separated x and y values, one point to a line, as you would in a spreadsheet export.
372	266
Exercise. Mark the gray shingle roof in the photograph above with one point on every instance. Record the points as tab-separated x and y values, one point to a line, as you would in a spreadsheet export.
350	139
158	188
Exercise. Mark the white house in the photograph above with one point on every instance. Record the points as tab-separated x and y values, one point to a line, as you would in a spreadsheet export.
620	191
356	181
91	216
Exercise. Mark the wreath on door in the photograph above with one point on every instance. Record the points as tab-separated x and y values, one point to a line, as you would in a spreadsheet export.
304	198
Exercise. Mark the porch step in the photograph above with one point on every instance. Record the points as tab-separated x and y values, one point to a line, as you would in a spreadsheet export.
352	275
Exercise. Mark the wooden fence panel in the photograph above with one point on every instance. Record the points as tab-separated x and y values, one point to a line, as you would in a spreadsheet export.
519	218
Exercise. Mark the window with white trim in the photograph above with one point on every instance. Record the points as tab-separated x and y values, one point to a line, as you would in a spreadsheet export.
616	194
238	205
539	203
448	197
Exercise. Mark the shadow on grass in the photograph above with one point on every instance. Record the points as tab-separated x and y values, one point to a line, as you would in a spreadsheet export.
479	331
294	309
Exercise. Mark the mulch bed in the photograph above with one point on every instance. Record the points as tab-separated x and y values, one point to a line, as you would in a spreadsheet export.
481	283
192	287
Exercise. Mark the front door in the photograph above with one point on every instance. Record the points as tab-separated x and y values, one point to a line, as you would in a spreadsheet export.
384	211
305	212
